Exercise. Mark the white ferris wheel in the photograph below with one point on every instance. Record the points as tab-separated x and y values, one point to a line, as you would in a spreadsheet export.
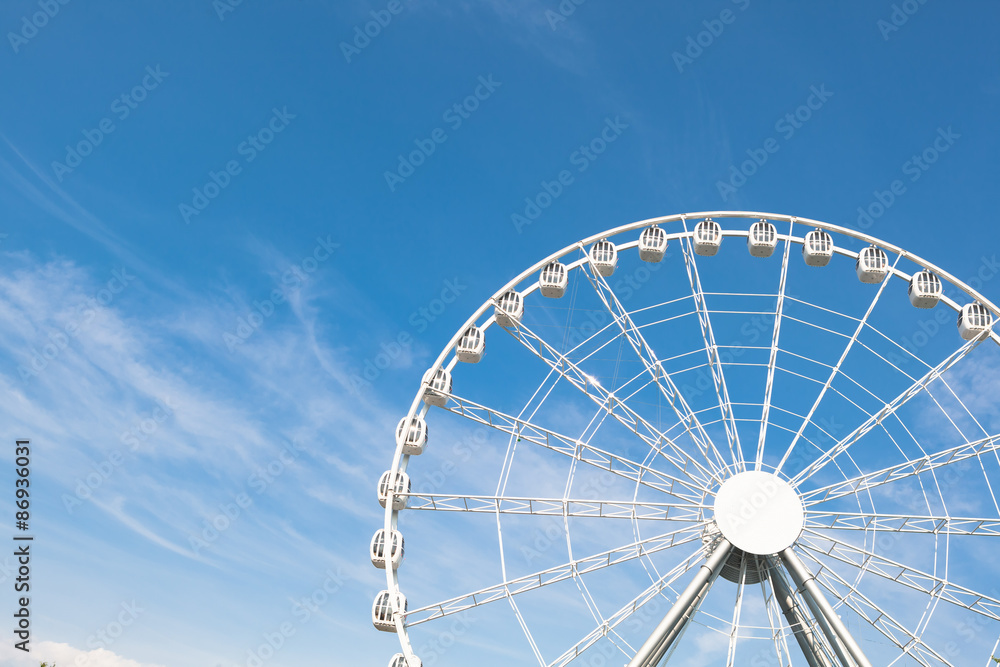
704	439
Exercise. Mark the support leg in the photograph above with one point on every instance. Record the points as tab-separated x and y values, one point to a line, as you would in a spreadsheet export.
840	638
797	619
654	648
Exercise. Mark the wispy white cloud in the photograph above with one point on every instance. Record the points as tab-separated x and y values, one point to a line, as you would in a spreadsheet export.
231	416
55	653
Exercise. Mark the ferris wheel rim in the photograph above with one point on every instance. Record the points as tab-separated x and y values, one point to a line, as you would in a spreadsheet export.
401	459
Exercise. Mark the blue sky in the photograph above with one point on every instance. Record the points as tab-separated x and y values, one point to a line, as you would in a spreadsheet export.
167	169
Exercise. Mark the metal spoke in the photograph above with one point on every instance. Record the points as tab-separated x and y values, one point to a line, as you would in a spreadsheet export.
901	523
627	611
654	367
875	616
611	403
917	466
557	507
889	410
681	487
833	626
555	574
907	576
836	368
773	613
734	634
677	619
718	377
773	359
804	629
527	632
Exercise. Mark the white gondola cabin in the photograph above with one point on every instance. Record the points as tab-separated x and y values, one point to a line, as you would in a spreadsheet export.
762	239
508	309
707	237
973	319
553	279
925	289
437	388
817	248
872	265
604	257
652	244
412	438
402	485
383	615
399	660
471	346
378	552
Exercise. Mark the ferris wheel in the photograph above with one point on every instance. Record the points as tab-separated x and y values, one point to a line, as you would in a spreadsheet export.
730	438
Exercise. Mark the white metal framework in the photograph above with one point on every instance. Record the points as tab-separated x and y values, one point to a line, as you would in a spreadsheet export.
744	463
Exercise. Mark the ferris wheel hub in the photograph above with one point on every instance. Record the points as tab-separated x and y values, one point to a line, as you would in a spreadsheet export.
759	512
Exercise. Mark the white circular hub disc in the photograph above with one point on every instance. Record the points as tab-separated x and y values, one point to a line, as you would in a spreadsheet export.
759	513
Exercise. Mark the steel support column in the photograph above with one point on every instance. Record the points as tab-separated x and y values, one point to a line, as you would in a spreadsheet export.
797	619
837	632
654	648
